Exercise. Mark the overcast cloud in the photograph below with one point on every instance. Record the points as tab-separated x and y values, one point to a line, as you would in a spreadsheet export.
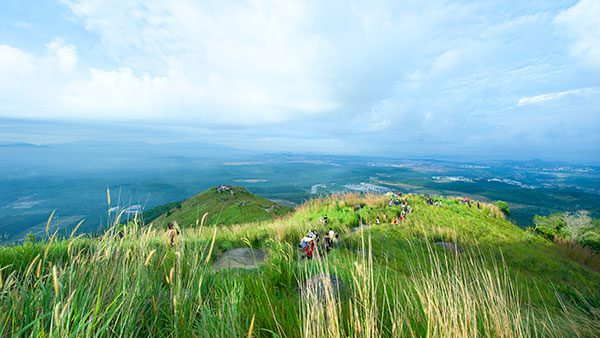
478	78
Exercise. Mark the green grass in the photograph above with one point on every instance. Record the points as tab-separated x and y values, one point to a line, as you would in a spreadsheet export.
228	207
507	282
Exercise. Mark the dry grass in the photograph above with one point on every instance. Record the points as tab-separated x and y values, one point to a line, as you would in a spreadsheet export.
578	253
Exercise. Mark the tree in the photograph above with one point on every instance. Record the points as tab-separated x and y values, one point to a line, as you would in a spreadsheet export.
576	222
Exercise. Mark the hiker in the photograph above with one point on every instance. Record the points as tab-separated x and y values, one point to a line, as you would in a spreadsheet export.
478	205
393	200
172	233
332	236
307	245
325	220
329	240
429	200
394	220
302	243
310	249
377	220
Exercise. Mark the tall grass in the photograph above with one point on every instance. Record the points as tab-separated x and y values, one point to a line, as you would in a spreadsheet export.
131	283
127	284
445	295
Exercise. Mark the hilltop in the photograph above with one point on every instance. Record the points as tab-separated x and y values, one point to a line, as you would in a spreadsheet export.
447	270
224	204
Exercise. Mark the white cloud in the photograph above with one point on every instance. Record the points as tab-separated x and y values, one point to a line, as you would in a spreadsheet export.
537	99
446	60
29	81
378	118
434	71
120	92
582	23
58	57
247	63
13	59
250	62
62	55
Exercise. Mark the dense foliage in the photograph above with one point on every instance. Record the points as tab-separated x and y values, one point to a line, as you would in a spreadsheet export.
578	227
503	206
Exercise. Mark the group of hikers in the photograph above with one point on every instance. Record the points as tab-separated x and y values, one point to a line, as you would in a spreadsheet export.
312	242
397	199
468	201
430	201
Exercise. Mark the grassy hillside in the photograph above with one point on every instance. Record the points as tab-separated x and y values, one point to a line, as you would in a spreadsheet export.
225	205
396	282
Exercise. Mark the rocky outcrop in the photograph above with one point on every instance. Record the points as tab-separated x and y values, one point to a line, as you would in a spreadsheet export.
322	286
241	258
225	189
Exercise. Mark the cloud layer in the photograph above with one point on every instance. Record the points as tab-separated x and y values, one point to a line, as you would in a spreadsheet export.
440	77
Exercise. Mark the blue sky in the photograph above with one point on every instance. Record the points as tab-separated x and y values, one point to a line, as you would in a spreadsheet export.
487	79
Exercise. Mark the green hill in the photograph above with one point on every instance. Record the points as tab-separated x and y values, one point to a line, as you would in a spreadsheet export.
225	205
381	280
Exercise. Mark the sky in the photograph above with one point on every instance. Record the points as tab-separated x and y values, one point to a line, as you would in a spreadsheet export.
484	79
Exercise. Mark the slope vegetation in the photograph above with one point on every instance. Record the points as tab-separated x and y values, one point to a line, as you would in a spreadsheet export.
225	205
380	280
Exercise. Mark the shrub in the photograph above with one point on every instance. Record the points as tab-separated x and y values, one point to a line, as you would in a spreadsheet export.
591	240
503	206
547	226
